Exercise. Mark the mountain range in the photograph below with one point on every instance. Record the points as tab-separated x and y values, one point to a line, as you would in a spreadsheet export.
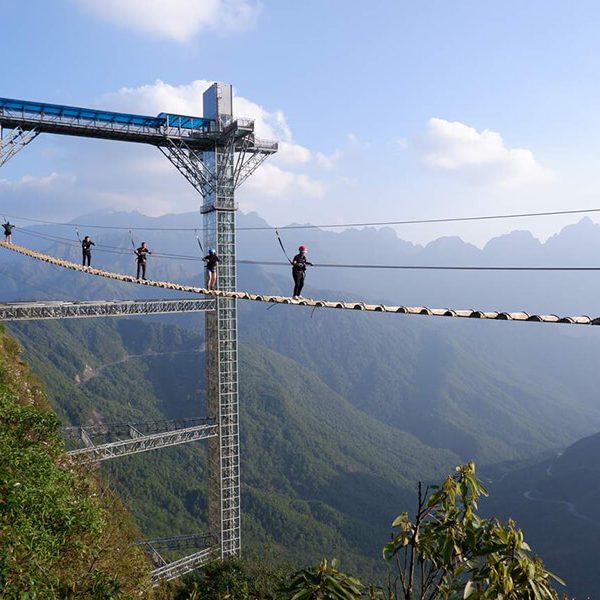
342	413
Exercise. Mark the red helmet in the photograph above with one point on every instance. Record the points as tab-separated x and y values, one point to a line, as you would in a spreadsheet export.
302	249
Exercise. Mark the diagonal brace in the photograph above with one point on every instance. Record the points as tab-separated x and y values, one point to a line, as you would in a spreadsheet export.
191	166
15	141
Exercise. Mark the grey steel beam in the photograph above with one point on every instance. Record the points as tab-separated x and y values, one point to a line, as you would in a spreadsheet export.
16	140
144	443
59	309
110	432
184	565
179	542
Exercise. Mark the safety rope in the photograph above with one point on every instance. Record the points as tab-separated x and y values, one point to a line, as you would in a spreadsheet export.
282	246
199	242
407	310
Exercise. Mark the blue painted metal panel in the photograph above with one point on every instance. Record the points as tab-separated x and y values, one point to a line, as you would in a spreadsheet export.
185	122
72	112
42	109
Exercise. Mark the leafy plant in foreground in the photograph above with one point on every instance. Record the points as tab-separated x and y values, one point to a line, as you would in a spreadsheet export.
449	552
324	582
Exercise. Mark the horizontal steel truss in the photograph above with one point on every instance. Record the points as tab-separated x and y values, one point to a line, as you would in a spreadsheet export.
202	138
138	441
179	542
125	132
153	546
14	141
22	311
184	565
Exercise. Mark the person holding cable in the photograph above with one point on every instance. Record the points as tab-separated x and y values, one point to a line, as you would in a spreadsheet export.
299	265
86	250
211	260
141	253
8	227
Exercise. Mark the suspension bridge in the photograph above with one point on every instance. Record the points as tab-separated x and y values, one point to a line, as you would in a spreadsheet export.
215	153
138	307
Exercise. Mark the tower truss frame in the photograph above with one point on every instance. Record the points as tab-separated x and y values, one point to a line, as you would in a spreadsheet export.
216	153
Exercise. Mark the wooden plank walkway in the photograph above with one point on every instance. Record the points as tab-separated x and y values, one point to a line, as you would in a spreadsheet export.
362	306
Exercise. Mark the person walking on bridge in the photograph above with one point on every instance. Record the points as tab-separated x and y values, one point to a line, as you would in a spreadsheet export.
8	227
86	250
299	271
141	253
211	260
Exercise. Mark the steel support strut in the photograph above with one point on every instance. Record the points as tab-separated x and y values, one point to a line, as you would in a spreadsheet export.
63	309
138	442
222	362
14	141
215	172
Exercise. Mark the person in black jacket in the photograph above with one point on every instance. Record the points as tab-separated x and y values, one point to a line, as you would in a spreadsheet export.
8	227
299	271
86	250
141	253
211	260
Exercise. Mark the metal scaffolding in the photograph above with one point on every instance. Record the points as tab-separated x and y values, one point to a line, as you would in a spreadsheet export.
216	153
15	140
198	541
137	441
179	542
60	309
216	173
184	565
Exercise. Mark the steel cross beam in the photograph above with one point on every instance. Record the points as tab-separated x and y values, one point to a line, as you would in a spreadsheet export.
16	140
182	566
190	165
60	309
179	542
110	432
141	443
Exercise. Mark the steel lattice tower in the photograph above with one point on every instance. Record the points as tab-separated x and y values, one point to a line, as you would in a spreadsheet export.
221	325
216	153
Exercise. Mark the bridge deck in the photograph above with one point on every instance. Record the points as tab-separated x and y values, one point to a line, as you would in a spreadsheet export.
407	310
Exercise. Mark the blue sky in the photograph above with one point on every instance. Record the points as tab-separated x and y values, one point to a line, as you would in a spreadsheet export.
388	110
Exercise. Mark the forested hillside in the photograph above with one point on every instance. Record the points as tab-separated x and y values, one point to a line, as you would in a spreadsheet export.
556	501
341	413
63	533
317	473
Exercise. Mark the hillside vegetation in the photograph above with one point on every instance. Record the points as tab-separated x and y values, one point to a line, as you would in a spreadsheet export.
62	533
316	472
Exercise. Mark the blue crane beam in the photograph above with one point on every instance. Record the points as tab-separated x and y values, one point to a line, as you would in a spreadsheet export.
164	130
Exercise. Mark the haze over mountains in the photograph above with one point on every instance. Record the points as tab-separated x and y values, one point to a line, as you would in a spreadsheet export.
369	391
574	245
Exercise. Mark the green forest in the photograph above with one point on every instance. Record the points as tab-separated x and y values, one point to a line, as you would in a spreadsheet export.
319	477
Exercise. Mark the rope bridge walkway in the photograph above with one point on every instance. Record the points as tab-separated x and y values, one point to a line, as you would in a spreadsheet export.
407	310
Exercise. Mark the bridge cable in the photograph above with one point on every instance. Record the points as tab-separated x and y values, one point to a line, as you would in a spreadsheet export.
341	225
167	256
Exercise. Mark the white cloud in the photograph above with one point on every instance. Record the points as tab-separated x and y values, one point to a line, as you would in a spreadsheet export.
328	161
33	182
482	156
352	139
293	154
186	99
270	179
179	20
